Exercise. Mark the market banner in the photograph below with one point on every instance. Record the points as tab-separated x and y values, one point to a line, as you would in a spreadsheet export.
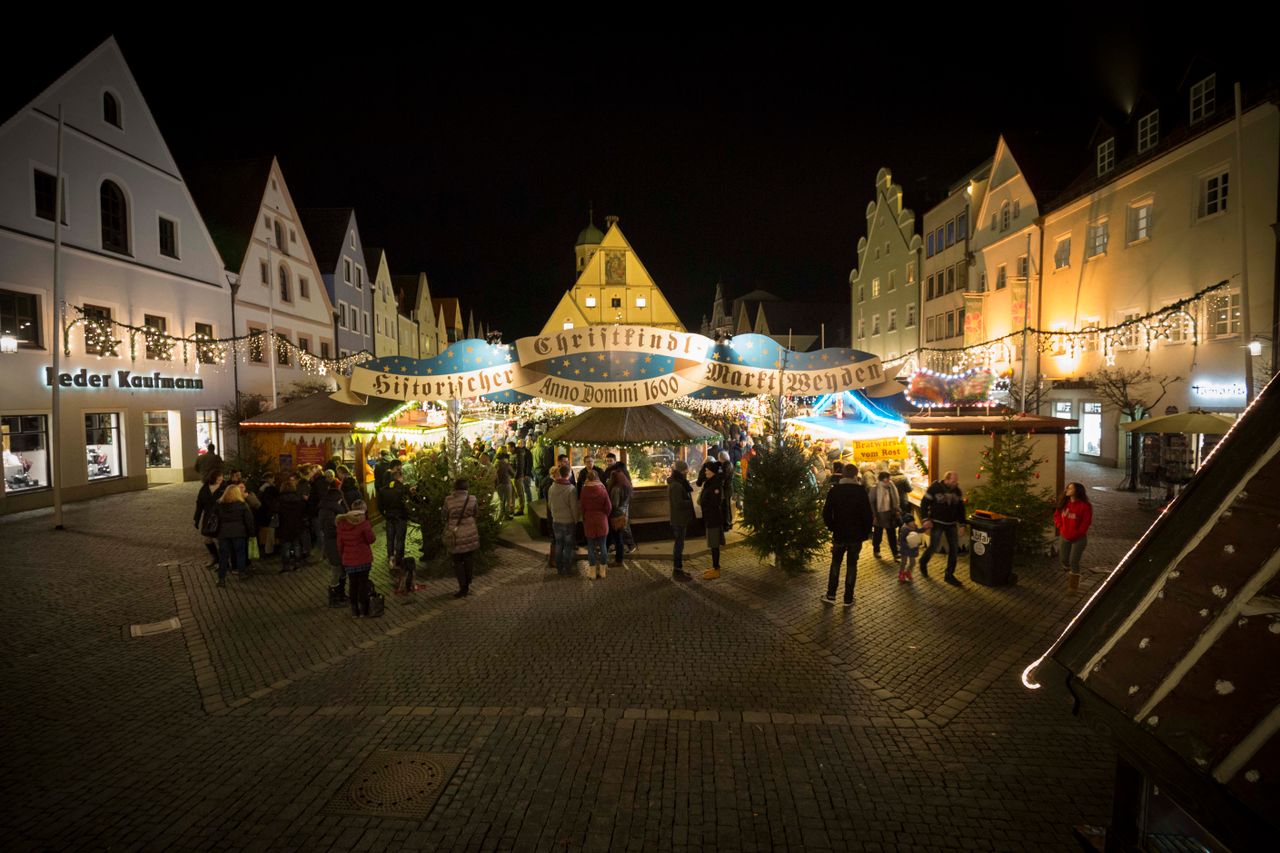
880	450
618	366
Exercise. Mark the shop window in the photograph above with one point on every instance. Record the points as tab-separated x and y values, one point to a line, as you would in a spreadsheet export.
156	435
208	430
102	445
1091	429
1063	409
26	452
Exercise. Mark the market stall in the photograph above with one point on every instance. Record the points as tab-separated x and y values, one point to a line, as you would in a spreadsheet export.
648	440
956	442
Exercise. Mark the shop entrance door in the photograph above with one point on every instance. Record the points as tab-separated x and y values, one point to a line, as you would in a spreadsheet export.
163	455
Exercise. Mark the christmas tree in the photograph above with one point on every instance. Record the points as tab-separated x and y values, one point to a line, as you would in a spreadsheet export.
781	506
1009	485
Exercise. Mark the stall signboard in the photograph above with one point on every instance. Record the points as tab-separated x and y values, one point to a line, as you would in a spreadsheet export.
880	450
620	366
312	454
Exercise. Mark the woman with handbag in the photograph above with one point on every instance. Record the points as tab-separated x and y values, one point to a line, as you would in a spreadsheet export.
206	518
596	507
461	536
620	496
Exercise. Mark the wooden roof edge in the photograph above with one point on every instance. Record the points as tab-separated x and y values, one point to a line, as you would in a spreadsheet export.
1123	591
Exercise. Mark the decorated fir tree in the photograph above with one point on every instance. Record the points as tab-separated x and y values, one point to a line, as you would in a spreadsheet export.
1009	483
782	507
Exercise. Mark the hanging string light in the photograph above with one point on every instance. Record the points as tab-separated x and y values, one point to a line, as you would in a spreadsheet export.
1172	322
100	338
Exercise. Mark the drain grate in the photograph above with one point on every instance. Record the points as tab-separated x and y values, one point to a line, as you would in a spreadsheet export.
151	628
401	785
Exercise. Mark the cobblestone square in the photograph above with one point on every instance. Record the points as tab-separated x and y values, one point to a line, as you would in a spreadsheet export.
631	713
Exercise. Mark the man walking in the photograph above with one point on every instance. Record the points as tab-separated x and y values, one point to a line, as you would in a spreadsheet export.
391	501
943	512
847	514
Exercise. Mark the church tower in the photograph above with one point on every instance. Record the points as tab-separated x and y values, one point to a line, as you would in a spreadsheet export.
588	242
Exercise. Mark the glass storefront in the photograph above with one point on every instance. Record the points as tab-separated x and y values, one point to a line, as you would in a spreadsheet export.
26	452
102	445
157	437
1091	429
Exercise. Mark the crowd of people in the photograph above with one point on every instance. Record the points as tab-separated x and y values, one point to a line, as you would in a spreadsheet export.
867	504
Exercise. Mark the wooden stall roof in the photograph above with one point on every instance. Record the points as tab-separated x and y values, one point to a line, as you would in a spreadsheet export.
633	426
1183	640
985	424
319	411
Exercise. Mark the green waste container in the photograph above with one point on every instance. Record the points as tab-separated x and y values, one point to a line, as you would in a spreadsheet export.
992	539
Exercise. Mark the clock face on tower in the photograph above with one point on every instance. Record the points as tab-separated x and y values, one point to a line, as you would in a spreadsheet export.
615	267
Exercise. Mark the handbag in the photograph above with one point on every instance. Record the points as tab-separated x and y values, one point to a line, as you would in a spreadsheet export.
617	522
254	553
450	535
377	604
210	524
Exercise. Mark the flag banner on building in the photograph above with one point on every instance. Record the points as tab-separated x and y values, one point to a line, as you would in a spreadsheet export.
618	366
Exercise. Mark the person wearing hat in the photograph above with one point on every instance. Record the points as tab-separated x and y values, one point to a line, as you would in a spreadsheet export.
355	536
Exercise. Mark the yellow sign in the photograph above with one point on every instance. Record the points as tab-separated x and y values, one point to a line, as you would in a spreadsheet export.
880	449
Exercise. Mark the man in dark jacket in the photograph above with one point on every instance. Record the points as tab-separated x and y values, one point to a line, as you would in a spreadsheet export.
943	511
847	514
391	501
680	501
331	506
522	460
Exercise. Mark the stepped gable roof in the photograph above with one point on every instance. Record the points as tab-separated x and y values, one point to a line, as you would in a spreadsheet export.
326	229
229	196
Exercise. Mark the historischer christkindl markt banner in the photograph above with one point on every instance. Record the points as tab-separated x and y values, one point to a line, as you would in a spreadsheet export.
619	366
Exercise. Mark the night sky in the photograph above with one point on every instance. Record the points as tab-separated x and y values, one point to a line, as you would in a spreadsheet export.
748	160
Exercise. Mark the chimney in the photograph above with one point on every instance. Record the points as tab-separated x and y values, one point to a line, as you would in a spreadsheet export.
609	222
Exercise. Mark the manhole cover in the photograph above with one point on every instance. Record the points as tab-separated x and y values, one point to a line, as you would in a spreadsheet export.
402	785
155	628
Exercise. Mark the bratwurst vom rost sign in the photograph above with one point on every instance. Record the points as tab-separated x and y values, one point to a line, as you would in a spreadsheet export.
618	366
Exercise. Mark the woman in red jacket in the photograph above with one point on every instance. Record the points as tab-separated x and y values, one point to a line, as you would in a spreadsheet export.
355	535
596	507
1072	519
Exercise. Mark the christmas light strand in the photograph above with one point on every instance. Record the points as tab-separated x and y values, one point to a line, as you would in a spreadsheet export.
1176	320
103	337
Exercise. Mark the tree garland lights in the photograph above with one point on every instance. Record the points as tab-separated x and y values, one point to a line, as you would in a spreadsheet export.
1162	324
100	340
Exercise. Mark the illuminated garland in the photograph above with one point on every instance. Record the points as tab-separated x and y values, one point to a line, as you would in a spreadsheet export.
100	339
1152	327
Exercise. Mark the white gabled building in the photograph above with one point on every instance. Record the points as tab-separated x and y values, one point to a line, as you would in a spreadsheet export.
886	298
255	224
134	251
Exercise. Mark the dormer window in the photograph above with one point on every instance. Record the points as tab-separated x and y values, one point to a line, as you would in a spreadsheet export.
1202	99
111	110
1148	131
1107	156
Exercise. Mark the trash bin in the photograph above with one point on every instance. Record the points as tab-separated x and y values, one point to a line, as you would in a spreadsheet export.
992	539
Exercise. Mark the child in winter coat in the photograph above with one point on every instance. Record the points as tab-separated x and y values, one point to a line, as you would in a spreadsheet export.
908	546
355	535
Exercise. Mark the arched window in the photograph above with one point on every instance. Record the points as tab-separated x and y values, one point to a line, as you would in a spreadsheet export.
285	295
111	110
114	212
1004	216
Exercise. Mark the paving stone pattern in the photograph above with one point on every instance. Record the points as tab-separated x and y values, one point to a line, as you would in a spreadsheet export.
631	713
